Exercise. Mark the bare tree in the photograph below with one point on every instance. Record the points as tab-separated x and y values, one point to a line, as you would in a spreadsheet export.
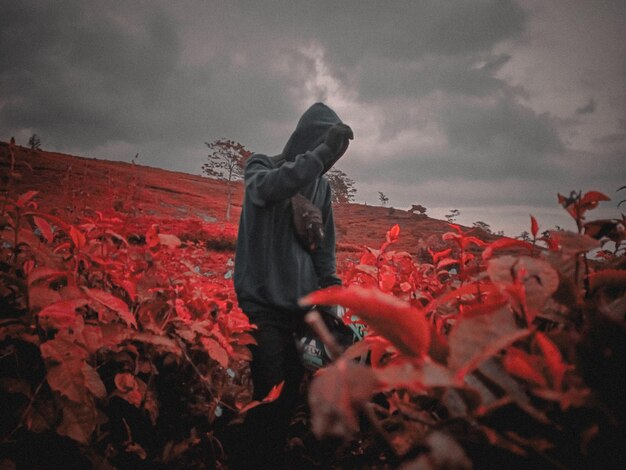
342	187
382	198
34	142
226	163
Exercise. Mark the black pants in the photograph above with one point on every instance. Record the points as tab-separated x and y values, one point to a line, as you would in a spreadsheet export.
274	359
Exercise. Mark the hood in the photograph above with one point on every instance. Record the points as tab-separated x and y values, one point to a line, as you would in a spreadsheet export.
311	131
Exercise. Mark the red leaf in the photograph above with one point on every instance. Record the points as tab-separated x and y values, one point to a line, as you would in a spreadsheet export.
336	394
451	236
159	342
552	242
245	339
592	198
573	243
93	382
28	266
466	241
114	303
467	289
368	258
216	352
117	236
518	363
23	199
130	388
440	254
79	420
387	279
402	324
61	314
539	278
393	233
61	350
367	269
554	360
447	262
505	242
534	226
77	237
152	236
44	228
415	376
273	395
475	339
43	272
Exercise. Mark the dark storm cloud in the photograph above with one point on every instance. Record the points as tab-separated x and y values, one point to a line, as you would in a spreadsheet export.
403	30
485	140
380	77
167	77
504	126
82	75
589	108
439	92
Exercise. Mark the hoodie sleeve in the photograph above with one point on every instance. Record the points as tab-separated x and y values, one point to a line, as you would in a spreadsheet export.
266	183
324	258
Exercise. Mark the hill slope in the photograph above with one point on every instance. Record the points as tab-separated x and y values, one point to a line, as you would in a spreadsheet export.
69	184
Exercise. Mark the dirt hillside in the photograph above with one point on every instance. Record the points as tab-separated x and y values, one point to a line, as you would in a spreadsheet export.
70	184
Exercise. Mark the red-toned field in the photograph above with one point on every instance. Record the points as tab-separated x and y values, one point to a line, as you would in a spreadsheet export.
122	345
72	184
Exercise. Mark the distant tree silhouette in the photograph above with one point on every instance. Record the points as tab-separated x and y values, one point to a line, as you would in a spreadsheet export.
226	162
342	187
482	225
34	142
452	215
417	209
382	198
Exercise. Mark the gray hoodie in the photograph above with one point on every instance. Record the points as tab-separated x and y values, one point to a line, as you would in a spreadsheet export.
272	269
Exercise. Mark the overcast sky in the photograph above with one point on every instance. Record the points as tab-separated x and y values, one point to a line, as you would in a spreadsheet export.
490	107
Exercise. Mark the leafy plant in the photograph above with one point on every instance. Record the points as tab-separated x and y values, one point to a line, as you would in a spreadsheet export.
128	346
493	364
342	187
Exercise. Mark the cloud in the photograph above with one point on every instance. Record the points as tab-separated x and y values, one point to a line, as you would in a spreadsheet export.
589	108
471	139
160	79
84	75
438	91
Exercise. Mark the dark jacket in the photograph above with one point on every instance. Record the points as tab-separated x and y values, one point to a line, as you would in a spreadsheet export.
272	269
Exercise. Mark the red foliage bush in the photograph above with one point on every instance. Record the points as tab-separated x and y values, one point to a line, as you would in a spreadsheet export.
122	334
495	361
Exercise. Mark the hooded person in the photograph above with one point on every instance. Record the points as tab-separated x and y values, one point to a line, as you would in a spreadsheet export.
285	250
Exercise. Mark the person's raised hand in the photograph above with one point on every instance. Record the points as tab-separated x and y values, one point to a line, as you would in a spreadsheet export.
338	138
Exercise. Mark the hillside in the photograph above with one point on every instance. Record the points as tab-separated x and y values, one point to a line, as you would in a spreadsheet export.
70	184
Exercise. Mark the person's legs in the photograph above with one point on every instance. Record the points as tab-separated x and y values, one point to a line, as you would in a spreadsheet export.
275	359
